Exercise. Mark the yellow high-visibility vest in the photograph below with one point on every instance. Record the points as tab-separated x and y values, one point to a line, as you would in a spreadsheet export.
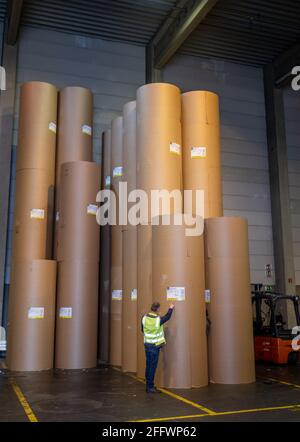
153	331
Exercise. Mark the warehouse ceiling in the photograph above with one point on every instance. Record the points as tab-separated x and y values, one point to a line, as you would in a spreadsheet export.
134	21
247	31
251	32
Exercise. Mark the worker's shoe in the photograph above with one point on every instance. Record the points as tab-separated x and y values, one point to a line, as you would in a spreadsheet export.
152	390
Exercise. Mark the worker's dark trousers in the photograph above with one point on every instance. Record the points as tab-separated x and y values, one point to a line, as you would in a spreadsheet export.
152	355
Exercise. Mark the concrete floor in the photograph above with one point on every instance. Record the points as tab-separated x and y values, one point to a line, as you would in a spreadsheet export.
107	395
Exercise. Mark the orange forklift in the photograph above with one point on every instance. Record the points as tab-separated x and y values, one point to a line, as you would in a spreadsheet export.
272	335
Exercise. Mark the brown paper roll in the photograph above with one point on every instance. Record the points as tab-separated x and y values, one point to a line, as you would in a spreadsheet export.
76	329
231	354
116	247
37	127
31	316
33	218
159	166
201	150
78	230
178	277
104	307
75	121
74	141
129	312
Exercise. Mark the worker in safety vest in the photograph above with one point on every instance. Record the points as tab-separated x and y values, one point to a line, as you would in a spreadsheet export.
154	339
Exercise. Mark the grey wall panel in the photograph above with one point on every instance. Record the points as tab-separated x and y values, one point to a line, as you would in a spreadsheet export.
292	121
246	190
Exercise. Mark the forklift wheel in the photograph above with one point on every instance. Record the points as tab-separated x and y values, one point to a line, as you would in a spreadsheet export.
293	358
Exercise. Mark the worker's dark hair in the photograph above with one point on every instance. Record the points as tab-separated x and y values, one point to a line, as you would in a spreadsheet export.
155	306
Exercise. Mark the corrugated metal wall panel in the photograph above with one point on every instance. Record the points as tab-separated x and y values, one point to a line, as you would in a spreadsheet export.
292	120
246	190
2	9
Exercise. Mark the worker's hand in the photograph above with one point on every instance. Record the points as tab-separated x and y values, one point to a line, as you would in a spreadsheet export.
172	306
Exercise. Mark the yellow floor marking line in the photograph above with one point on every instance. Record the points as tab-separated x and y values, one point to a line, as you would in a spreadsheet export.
187	401
179	398
21	398
23	401
222	413
279	381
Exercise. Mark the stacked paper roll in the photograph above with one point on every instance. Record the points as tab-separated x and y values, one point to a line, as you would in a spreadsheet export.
178	278
78	267
33	278
105	232
231	354
116	247
31	316
159	166
129	274
74	141
201	151
35	172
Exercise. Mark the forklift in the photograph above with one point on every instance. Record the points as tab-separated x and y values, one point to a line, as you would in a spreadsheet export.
273	335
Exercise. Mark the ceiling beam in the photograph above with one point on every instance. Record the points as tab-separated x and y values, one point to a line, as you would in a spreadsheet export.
284	64
187	16
13	17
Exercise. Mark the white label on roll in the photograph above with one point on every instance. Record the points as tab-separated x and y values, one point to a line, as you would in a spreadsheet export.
86	129
117	295
36	312
175	148
133	294
52	127
198	152
65	312
118	171
176	293
92	209
37	213
108	181
207	296
57	216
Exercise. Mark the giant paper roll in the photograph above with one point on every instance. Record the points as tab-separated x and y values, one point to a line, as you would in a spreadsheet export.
104	300
75	118
74	141
37	127
31	316
159	167
78	230
33	217
178	277
231	354
201	150
116	247
129	309
77	315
